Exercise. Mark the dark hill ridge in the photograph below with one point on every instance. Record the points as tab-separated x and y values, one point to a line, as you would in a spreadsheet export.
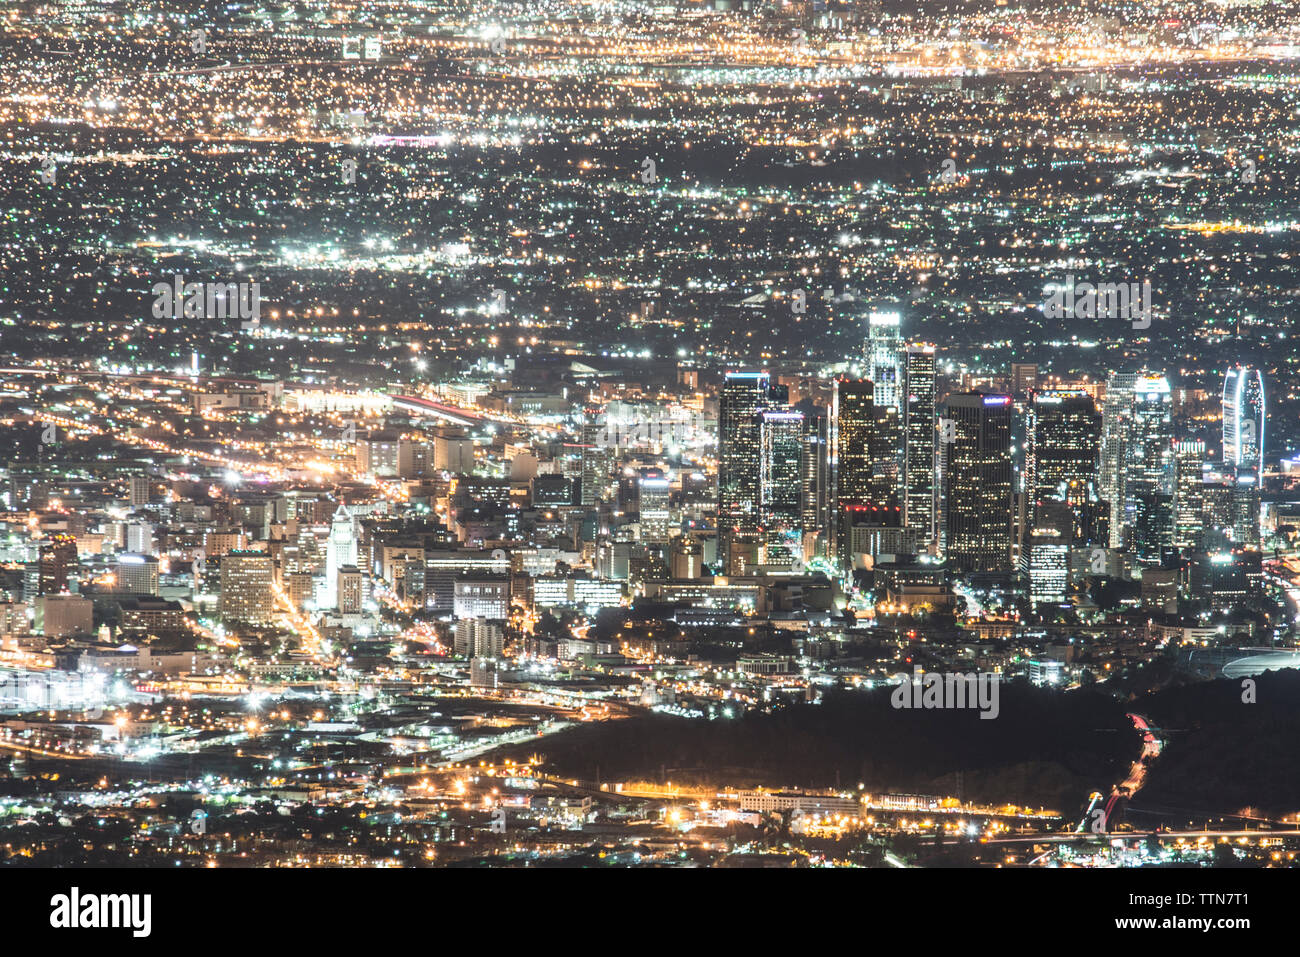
1223	755
1044	748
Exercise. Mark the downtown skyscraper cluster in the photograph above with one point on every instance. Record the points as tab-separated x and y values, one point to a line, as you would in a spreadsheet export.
1047	482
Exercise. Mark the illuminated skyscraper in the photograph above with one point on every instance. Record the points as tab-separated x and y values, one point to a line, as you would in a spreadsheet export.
885	358
1117	409
140	489
887	453
597	460
864	450
377	452
744	395
977	482
136	574
918	443
1243	419
340	550
1245	505
1091	514
852	420
57	558
1046	555
246	589
1149	470
781	439
1024	378
1064	445
351	590
1189	493
814	502
1217	518
654	511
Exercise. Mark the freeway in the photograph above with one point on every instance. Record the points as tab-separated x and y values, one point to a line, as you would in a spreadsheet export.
1138	771
43	752
458	415
448	413
1125	790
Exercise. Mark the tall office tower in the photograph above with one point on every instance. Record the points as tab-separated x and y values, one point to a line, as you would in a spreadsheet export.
781	438
977	482
1245	502
1045	559
918	443
1116	410
852	414
1063	445
136	574
478	638
814	498
597	461
1189	493
414	457
140	487
1091	514
654	511
376	452
1149	470
298	586
744	395
312	545
340	550
1217	519
56	558
887	453
1024	377
351	590
246	592
686	557
1243	419
27	485
856	458
140	538
885	357
453	451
